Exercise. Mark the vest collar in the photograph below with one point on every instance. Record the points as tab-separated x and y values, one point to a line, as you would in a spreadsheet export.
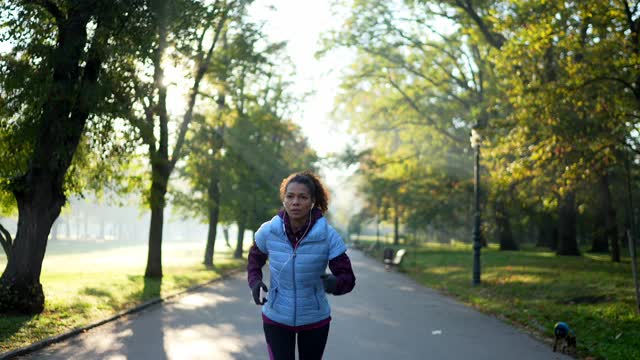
315	234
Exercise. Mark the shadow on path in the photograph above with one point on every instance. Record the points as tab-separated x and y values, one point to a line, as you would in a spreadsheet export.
387	316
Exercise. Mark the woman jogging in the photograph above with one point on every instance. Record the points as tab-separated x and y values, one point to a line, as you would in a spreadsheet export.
299	244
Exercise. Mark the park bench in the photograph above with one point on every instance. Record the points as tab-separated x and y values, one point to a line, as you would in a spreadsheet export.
393	260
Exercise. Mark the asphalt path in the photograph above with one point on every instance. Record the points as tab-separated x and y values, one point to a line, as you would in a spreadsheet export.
387	316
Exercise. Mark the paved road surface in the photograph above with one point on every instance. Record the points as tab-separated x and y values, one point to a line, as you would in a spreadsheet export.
386	317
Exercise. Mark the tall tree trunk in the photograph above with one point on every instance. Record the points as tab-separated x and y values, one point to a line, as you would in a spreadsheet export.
503	227
39	192
21	289
396	230
162	164
532	232
555	236
214	181
225	232
239	243
567	242
160	178
611	223
214	212
600	243
544	223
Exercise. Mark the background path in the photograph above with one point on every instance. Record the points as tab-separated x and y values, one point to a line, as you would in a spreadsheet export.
387	316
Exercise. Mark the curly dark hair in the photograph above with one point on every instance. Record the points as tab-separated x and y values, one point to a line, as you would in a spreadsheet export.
318	192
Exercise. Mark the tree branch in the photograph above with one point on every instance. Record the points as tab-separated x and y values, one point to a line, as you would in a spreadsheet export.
636	92
201	70
496	40
146	132
420	45
377	165
199	51
51	7
145	126
630	147
391	28
629	13
404	65
475	77
421	113
160	109
6	242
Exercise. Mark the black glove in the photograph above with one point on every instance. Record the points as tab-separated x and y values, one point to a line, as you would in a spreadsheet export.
330	283
255	291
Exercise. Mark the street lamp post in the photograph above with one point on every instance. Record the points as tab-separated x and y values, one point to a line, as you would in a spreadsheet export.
378	204
476	140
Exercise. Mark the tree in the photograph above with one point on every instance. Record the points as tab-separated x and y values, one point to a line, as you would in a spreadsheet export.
189	32
547	80
235	156
583	123
562	63
415	95
59	75
262	148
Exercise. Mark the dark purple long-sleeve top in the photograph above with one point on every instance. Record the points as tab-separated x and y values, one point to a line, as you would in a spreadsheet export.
340	266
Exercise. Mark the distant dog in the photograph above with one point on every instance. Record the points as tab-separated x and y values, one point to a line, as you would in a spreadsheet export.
565	338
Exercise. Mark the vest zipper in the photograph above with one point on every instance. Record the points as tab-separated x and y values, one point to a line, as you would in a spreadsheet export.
293	263
295	295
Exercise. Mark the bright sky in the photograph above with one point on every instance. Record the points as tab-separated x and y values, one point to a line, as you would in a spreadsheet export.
301	23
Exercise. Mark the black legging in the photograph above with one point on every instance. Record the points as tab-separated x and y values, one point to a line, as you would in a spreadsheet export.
282	342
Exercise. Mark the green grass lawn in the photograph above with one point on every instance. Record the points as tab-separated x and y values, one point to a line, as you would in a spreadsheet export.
83	286
534	289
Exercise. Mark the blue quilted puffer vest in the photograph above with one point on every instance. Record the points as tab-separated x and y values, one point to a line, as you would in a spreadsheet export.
296	294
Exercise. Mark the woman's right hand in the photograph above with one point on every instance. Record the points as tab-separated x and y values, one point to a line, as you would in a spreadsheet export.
329	282
255	291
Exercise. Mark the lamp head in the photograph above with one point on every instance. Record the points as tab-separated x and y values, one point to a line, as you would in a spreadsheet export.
475	139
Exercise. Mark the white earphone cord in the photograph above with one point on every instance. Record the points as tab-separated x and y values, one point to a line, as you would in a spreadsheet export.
294	249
